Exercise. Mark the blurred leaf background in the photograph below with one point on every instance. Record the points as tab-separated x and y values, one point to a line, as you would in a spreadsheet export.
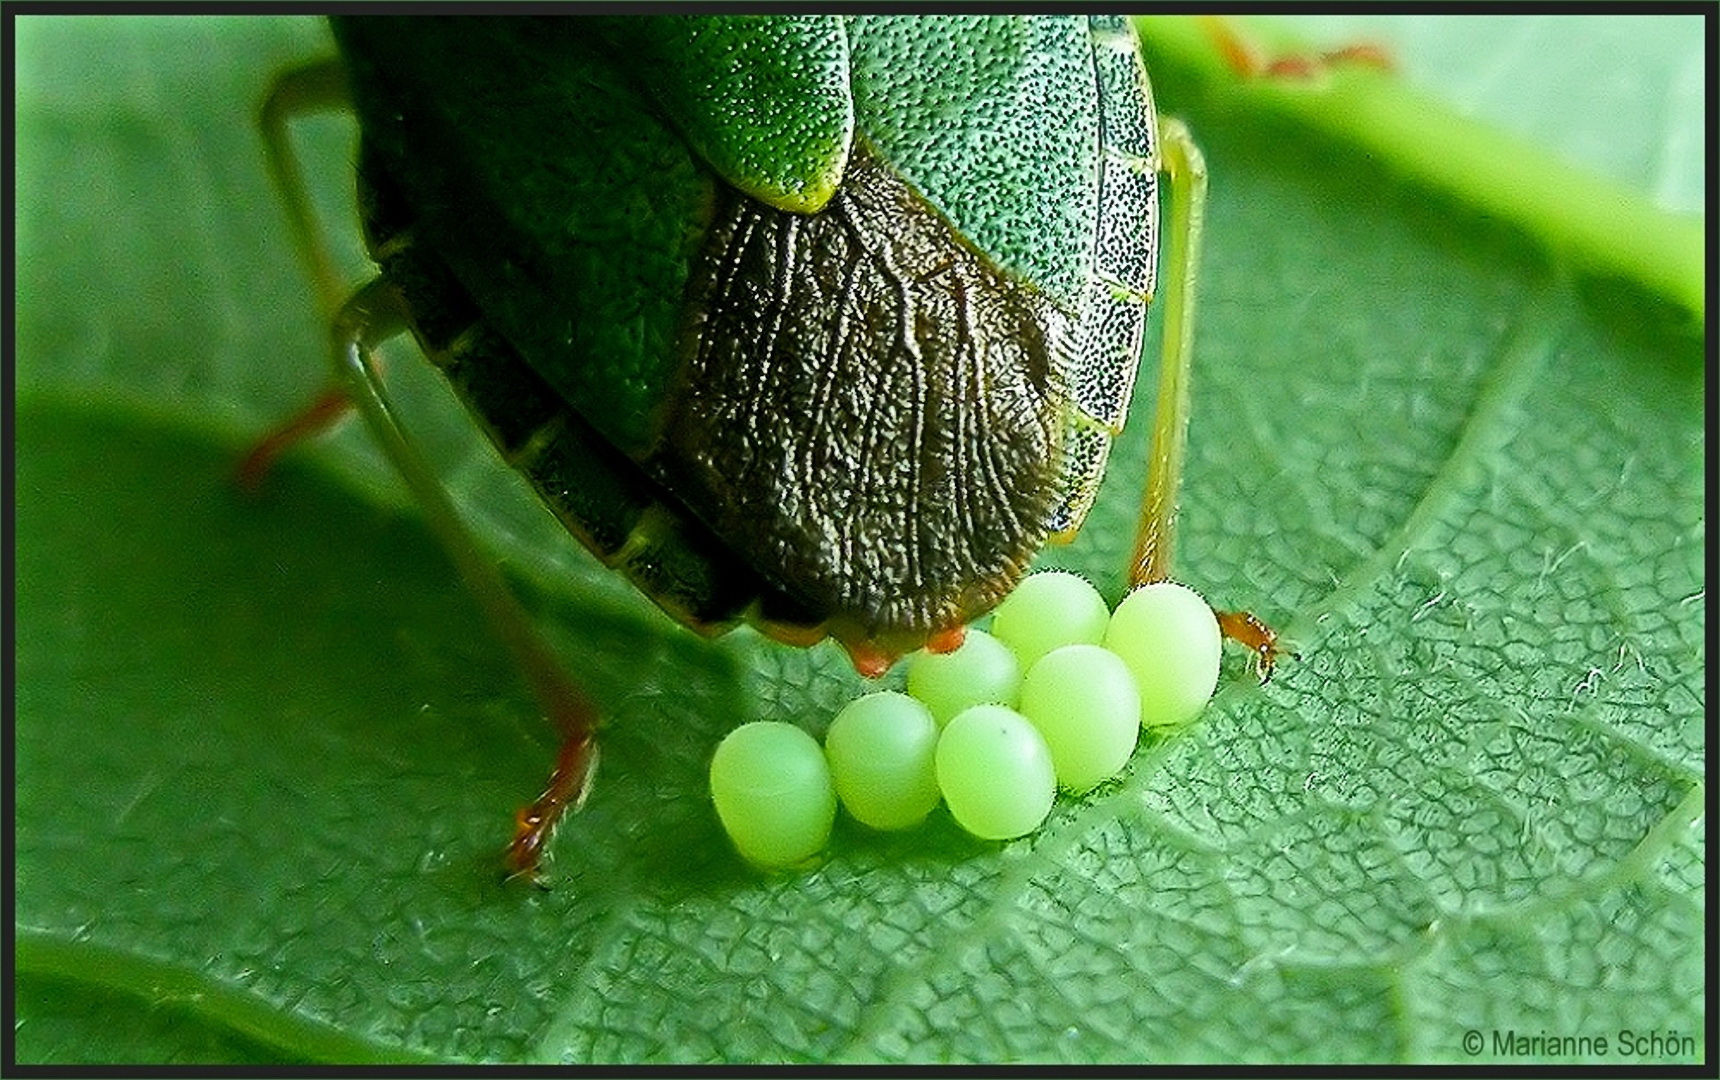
264	759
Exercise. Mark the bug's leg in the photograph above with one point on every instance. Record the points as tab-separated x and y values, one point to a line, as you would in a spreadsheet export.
1185	169
373	315
1247	60
319	86
316	87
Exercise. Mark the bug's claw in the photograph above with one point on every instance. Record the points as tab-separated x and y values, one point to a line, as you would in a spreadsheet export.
535	824
1261	640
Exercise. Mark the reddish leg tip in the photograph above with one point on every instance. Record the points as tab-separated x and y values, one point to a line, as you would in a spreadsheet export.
534	825
1248	631
524	855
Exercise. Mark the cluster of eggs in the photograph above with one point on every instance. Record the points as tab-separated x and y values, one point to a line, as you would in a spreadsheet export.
1054	696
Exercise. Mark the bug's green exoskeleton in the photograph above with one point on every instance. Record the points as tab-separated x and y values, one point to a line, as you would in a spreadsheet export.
824	322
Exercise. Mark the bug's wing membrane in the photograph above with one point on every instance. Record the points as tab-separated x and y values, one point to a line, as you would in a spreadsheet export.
763	99
869	409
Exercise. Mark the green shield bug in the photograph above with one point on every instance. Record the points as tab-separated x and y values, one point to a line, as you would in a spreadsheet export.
825	323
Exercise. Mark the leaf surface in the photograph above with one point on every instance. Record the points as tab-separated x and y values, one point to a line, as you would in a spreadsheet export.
265	759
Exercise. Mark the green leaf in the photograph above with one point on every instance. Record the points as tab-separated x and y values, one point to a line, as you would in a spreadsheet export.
265	760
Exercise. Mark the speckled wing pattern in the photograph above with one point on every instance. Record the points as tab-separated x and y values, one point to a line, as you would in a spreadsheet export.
1120	284
763	99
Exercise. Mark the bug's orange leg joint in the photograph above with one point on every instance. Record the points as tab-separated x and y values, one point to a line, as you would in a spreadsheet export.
373	315
1246	59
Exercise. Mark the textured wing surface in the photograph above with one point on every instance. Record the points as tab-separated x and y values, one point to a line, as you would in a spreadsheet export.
996	122
868	408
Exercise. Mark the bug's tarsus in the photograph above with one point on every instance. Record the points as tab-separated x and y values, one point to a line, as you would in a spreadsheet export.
569	784
323	413
1248	60
1247	630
